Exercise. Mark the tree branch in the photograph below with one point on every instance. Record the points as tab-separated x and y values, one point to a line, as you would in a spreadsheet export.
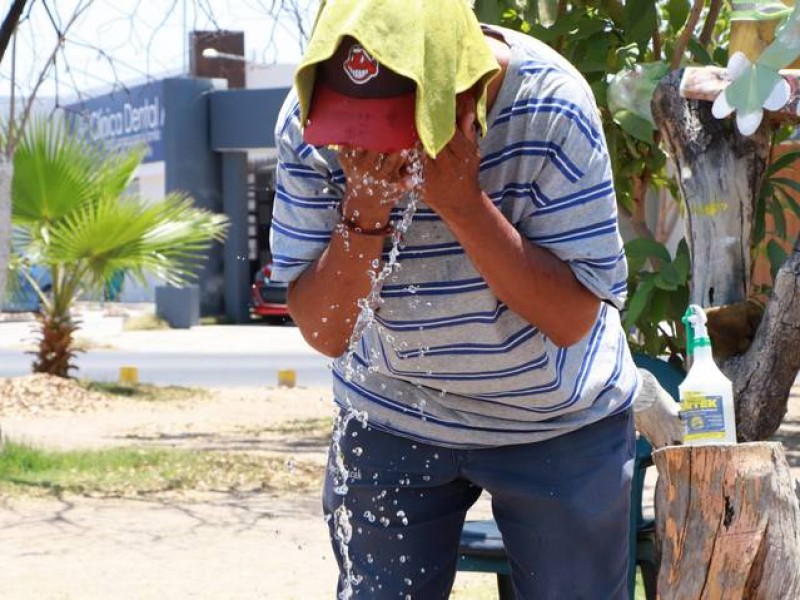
711	20
10	24
26	113
686	34
763	376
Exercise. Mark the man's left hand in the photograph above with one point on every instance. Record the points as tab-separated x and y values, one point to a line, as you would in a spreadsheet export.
451	179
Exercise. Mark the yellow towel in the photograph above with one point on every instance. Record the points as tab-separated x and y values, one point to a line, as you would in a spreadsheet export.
436	43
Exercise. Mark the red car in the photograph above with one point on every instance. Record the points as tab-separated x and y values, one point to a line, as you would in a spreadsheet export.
268	298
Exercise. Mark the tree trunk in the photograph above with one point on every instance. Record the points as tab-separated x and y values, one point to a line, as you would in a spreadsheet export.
728	523
6	173
719	175
763	376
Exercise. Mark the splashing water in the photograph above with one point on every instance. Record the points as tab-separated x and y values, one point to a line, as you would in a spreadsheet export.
342	528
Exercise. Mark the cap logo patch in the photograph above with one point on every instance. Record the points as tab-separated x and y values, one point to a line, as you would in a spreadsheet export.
359	65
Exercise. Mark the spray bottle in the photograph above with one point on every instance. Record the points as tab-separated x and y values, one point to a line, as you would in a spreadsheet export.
706	395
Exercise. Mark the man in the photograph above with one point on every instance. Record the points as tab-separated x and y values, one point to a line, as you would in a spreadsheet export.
495	359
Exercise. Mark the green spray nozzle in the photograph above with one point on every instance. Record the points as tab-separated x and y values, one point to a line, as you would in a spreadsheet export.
694	319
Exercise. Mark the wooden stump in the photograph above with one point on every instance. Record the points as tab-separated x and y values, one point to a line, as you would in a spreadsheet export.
727	523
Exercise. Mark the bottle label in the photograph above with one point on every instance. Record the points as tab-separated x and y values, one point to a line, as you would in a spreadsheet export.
702	417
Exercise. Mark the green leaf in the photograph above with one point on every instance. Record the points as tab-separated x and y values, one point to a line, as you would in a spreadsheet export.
638	302
778	219
678	301
699	53
489	11
720	55
640	22
659	302
789	183
572	24
666	279
75	219
634	125
787	197
671	274
53	172
682	267
677	13
627	56
593	53
777	256
643	247
787	159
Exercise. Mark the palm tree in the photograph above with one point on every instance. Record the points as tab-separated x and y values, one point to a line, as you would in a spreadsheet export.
71	214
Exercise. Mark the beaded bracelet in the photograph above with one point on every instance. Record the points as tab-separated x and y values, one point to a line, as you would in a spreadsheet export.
351	227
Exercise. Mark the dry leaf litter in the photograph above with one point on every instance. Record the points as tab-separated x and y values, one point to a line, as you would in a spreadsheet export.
41	393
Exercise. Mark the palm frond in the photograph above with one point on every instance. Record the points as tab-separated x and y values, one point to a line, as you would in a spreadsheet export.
72	217
167	239
118	171
54	172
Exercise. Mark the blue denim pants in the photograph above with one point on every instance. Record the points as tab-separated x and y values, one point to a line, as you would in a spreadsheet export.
562	507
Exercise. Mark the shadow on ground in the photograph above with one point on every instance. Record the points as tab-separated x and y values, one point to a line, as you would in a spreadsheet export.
213	440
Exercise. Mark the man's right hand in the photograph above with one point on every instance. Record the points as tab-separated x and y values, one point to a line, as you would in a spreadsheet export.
375	183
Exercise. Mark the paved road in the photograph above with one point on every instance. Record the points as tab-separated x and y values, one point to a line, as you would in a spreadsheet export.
223	370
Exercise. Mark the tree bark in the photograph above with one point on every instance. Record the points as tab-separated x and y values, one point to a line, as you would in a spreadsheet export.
9	24
763	376
728	523
719	175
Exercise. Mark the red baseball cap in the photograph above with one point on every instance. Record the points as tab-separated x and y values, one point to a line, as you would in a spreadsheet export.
358	102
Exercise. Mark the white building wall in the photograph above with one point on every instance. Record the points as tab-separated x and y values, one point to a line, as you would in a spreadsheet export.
149	183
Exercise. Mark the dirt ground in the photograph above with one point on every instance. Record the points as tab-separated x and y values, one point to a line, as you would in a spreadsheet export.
216	545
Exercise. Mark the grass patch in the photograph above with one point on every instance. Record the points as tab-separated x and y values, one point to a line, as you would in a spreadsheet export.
135	471
145	391
144	322
83	344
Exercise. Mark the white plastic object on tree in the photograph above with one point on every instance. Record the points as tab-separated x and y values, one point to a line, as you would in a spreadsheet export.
706	395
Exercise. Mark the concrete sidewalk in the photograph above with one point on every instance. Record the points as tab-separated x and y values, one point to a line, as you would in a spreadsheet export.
102	328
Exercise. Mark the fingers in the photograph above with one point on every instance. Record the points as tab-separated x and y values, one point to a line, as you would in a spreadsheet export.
377	175
463	146
379	165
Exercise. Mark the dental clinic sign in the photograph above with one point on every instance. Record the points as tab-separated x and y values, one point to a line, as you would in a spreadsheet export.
123	119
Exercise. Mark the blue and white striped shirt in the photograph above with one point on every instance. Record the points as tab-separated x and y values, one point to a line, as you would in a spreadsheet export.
447	362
